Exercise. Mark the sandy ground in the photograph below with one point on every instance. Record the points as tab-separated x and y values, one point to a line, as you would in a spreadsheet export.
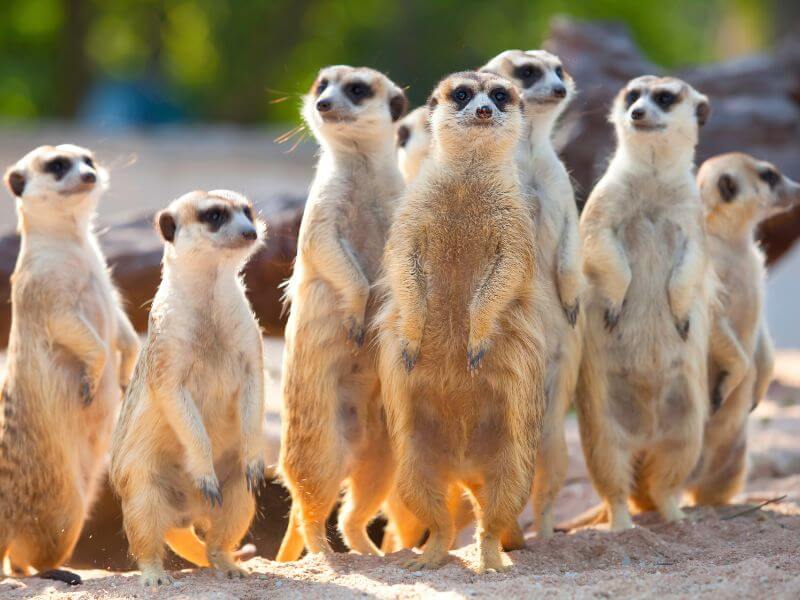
715	553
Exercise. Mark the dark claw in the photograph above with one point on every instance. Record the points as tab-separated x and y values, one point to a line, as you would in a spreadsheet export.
572	313
356	332
612	318
409	359
255	476
716	397
683	329
755	404
211	492
474	358
86	391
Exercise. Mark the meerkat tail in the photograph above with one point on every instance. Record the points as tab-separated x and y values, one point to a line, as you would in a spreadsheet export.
185	543
293	543
594	516
67	577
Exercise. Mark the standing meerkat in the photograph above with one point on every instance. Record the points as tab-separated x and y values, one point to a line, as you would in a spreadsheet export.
547	90
413	142
642	395
188	450
334	431
70	350
461	346
738	192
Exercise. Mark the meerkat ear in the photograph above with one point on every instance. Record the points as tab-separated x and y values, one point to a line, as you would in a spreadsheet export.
166	225
432	102
703	111
727	187
398	104
15	180
403	133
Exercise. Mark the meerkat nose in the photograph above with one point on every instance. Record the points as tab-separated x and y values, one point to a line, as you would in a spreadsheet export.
249	234
324	105
88	177
483	112
637	114
559	91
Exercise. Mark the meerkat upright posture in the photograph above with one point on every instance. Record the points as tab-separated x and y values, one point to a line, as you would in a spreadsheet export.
738	191
461	346
188	449
642	395
547	90
334	432
413	142
70	351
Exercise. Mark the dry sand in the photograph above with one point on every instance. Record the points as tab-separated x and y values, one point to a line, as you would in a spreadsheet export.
710	555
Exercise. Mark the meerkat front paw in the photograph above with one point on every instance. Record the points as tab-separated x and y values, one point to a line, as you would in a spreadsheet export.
154	578
356	330
612	316
209	487
254	474
682	326
571	311
87	389
475	353
717	398
409	352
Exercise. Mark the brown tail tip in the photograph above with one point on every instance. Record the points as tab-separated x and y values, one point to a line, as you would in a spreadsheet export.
61	575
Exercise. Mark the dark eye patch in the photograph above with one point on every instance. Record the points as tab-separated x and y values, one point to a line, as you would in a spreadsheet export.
248	212
88	160
631	97
461	96
500	97
664	99
321	86
403	134
358	91
215	217
560	73
770	177
58	167
527	74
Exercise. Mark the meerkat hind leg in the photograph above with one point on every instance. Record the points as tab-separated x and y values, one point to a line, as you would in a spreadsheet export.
146	520
229	524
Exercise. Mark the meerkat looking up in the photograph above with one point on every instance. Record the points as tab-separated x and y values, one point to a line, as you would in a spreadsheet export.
333	424
461	345
547	90
738	192
642	396
413	142
187	450
71	349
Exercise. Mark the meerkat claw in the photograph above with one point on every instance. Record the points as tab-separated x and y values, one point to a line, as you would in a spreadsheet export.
683	329
474	357
611	318
210	490
716	397
572	312
254	474
87	394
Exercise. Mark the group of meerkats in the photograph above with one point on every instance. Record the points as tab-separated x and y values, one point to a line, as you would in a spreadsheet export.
447	305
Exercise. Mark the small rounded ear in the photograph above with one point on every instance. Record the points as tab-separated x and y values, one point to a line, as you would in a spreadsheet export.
403	133
15	180
727	187
703	111
398	104
166	225
432	101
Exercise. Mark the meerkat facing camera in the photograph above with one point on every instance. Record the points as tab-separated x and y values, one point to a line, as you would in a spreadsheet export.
413	142
199	382
71	349
333	425
547	90
461	345
738	192
642	395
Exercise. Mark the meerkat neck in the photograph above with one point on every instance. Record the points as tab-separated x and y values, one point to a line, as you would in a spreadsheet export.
472	158
654	159
73	226
376	152
731	233
536	144
192	277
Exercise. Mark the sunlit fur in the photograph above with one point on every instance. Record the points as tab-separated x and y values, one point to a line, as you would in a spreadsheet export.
548	190
416	146
333	427
461	313
642	395
736	199
71	349
190	428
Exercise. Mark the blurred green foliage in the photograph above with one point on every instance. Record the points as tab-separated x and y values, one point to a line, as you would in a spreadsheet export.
232	60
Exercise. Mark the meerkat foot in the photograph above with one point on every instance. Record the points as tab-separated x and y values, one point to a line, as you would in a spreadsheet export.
621	520
426	560
491	559
226	567
672	513
155	577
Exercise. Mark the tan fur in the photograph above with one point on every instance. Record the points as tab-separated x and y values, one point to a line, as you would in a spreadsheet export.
188	443
549	192
642	395
461	345
413	142
333	424
71	348
736	199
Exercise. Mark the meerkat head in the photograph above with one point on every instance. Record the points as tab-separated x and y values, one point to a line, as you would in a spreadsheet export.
738	191
475	111
547	88
662	111
413	141
348	104
61	180
217	226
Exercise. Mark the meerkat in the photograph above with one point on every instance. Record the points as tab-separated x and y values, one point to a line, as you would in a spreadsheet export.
642	394
334	432
188	449
71	350
461	344
547	90
738	191
413	142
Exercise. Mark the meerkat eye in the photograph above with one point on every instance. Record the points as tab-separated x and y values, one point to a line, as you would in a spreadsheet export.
214	216
528	74
560	73
770	177
461	96
88	160
322	86
632	97
500	96
57	166
665	99
248	212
